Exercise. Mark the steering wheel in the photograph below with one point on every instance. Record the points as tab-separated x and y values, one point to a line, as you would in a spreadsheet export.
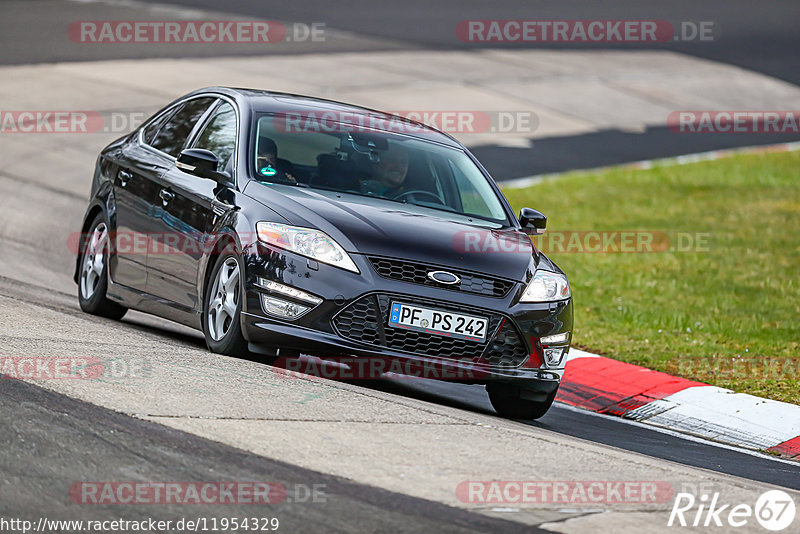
419	192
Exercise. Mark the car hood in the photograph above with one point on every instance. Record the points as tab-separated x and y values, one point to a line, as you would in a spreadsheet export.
364	225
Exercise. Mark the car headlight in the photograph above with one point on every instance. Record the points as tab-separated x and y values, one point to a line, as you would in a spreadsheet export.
307	242
546	286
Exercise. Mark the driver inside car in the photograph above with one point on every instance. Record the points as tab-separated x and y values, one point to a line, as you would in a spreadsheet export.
388	175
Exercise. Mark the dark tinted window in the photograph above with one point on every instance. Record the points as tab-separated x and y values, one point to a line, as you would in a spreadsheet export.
152	129
173	133
219	135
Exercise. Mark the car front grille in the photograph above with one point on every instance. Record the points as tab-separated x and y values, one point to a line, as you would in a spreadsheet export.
417	273
366	320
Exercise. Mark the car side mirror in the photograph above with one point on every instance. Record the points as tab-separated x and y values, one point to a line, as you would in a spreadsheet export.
202	163
533	221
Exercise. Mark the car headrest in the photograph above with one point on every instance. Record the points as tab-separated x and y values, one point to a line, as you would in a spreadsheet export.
337	173
266	145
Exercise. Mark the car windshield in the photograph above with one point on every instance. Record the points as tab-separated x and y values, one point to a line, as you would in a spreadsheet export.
376	164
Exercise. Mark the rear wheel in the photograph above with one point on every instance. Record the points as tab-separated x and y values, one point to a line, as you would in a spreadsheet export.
508	402
223	305
93	278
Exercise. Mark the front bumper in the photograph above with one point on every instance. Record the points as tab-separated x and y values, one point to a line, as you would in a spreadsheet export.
512	351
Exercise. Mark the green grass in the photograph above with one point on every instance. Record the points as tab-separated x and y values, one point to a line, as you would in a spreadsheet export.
727	314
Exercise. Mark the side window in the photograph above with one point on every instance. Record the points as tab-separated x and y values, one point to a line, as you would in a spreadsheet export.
219	135
173	133
151	130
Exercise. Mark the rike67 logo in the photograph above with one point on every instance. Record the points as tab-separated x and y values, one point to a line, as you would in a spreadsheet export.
774	510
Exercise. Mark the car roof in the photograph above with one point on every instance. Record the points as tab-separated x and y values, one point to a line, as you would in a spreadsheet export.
259	100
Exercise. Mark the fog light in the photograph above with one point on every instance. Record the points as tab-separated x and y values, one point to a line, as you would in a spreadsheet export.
553	355
282	308
289	291
557	338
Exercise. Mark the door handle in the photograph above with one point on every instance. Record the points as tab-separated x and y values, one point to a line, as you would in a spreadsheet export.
124	176
166	195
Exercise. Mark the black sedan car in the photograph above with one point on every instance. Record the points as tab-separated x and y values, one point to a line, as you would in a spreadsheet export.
284	225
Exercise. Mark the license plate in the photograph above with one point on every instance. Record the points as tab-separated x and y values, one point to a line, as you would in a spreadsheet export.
438	322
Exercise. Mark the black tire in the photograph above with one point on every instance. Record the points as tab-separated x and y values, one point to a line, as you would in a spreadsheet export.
232	342
92	288
508	404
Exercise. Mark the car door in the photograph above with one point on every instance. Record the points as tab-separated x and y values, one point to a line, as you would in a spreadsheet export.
187	214
136	174
137	183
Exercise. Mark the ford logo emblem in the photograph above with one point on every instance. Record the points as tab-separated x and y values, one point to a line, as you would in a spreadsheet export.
443	277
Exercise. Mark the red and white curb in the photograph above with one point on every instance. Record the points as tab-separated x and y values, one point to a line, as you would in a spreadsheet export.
611	387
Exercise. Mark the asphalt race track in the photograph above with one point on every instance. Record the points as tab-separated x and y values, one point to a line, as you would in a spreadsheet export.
388	453
51	462
762	40
612	431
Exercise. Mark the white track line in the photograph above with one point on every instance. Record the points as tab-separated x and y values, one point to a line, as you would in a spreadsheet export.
677	434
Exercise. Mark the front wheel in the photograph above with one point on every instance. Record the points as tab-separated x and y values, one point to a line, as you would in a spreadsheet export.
508	403
223	305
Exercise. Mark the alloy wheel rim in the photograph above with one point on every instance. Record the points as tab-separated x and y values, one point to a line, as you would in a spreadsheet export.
223	299
94	260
